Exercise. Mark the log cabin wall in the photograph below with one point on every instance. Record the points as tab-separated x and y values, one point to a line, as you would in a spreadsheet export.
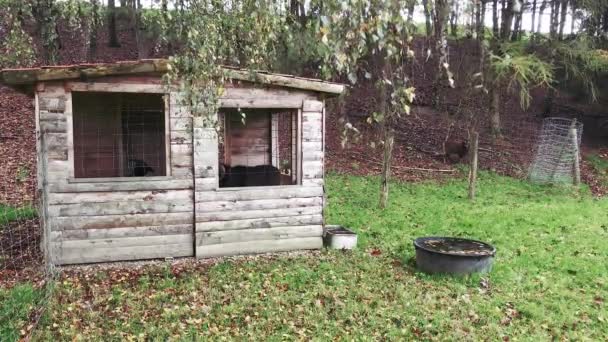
181	211
184	213
247	220
111	219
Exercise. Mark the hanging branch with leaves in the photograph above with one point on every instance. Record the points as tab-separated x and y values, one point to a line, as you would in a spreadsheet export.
16	49
46	15
209	34
355	32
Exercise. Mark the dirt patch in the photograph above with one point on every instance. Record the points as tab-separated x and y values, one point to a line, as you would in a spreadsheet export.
17	148
597	180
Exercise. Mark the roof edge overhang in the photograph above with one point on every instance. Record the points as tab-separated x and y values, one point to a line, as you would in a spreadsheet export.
26	78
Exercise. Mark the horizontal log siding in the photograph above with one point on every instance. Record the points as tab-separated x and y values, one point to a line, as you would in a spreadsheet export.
263	219
312	143
86	252
106	220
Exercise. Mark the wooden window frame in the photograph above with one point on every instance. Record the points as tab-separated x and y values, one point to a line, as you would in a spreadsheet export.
297	114
83	87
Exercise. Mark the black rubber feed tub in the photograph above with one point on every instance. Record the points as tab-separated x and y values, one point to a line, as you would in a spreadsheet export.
453	255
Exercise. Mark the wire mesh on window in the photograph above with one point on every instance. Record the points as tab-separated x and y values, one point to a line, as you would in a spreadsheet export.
119	135
258	148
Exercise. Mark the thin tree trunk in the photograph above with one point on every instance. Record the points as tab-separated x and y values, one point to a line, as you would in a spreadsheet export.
483	70
481	38
576	165
165	12
554	19
507	20
477	16
387	133
388	137
573	18
543	6
517	27
481	29
505	32
411	6
46	28
139	37
515	33
293	8
302	13
550	96
495	18
520	26
113	36
553	34
427	17
473	154
454	17
503	6
473	134
562	21
442	71
93	30
389	141
495	112
532	27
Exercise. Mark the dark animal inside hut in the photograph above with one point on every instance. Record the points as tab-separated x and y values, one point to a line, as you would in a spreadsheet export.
238	176
138	168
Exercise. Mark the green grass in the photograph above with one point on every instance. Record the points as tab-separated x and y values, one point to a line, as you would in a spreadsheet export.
550	279
9	214
16	304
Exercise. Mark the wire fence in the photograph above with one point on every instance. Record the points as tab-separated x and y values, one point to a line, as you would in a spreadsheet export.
558	152
26	279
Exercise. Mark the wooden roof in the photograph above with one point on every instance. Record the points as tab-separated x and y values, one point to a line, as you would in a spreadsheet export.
26	77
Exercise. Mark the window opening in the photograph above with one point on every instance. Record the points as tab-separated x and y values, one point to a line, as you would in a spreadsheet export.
118	135
258	148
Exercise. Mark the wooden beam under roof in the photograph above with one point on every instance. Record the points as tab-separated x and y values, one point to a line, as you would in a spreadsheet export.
18	78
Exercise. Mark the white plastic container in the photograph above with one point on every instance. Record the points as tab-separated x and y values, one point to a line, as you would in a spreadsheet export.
338	237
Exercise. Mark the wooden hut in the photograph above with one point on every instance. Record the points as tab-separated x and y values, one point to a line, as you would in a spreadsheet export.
126	172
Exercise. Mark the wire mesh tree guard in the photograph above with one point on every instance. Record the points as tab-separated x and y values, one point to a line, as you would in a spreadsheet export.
557	155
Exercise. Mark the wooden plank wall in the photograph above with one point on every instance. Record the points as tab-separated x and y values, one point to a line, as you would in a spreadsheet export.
248	143
108	220
260	219
128	219
274	140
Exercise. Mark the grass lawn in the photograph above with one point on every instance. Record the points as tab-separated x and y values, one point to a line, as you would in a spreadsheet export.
16	305
550	278
9	214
